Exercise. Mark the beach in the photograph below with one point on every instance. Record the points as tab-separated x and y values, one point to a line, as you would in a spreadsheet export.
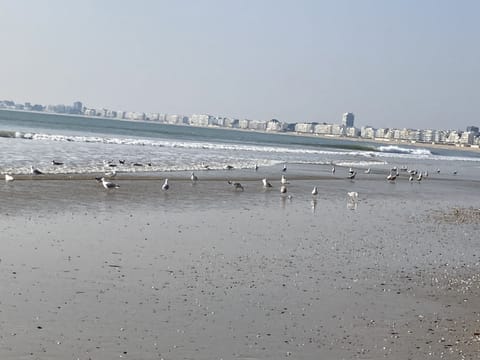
206	272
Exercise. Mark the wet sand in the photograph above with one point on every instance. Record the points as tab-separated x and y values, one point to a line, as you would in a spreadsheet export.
204	272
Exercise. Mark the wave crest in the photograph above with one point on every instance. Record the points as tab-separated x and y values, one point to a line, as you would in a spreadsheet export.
401	150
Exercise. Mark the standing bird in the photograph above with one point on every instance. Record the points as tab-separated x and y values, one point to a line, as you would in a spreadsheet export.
111	174
236	185
420	177
9	178
284	168
351	174
283	189
393	174
108	184
283	180
353	196
333	169
266	183
194	177
410	178
315	191
165	185
391	177
367	171
34	171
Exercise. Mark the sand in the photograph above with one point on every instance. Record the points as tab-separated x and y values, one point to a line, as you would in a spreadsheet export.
206	272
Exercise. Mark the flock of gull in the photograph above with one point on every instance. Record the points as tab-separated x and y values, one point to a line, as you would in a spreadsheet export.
107	183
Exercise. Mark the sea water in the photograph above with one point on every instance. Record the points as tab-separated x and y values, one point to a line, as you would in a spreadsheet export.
87	145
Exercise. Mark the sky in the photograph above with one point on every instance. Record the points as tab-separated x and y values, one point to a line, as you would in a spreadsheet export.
393	63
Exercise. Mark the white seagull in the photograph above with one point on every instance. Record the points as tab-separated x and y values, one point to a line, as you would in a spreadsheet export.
392	177
266	183
283	180
367	171
111	174
9	177
236	185
315	191
333	169
283	189
284	168
34	171
165	185
194	177
108	184
353	196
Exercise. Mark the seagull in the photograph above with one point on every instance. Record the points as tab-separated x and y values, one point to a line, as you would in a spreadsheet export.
35	171
283	180
55	162
410	178
108	184
228	167
455	172
121	162
420	176
9	177
109	163
236	185
351	175
315	191
165	185
391	177
255	167
353	196
111	174
266	183
284	168
367	171
333	169
438	171
393	174
283	189
194	177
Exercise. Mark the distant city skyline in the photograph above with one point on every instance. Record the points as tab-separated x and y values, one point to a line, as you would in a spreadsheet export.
393	64
346	129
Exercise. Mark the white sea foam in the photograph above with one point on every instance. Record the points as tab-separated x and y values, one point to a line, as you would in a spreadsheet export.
360	164
401	150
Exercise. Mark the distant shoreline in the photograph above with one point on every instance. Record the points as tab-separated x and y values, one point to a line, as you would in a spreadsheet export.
386	142
396	142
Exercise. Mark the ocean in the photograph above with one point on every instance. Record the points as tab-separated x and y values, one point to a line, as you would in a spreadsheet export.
85	145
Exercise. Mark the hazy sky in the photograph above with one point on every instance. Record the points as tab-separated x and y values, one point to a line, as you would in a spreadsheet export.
394	63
